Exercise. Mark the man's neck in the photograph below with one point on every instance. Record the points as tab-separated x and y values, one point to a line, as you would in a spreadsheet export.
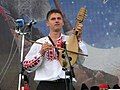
55	35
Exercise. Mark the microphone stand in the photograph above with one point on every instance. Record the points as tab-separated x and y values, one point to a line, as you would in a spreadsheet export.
69	72
22	33
21	73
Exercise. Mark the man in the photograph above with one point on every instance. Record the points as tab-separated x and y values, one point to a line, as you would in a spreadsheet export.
44	58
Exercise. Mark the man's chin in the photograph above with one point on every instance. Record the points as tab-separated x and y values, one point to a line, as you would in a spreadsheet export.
57	30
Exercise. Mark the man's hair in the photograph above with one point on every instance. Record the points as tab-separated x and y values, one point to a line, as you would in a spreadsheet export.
53	11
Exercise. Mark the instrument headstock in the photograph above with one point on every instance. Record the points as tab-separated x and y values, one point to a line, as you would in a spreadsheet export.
81	15
79	19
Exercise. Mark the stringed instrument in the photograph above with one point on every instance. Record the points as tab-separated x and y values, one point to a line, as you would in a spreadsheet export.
72	41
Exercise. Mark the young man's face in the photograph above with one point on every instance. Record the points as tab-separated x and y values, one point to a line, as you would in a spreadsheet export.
55	22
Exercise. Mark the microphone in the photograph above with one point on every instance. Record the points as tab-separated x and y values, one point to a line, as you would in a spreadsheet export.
105	1
20	23
21	26
32	22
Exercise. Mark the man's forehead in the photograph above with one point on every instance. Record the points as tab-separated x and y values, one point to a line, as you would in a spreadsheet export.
55	15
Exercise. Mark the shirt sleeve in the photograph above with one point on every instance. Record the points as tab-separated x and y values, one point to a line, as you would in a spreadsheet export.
81	58
33	59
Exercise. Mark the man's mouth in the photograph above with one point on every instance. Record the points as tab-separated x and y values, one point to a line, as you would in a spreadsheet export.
57	24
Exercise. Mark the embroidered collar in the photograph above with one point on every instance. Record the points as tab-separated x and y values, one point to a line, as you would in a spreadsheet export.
61	36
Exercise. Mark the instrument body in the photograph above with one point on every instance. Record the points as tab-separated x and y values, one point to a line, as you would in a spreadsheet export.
72	41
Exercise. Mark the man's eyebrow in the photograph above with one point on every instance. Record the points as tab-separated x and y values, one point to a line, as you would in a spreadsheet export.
56	18
53	18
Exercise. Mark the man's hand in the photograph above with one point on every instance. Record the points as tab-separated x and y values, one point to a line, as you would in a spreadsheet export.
45	47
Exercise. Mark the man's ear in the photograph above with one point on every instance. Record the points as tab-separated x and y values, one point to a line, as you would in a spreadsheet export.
63	22
47	23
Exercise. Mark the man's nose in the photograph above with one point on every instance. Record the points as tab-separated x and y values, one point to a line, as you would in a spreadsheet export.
56	20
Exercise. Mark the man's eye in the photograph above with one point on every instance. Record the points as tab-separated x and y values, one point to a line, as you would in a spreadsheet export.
59	18
53	18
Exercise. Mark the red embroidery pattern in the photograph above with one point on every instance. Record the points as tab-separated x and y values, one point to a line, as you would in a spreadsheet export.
59	43
31	63
51	54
